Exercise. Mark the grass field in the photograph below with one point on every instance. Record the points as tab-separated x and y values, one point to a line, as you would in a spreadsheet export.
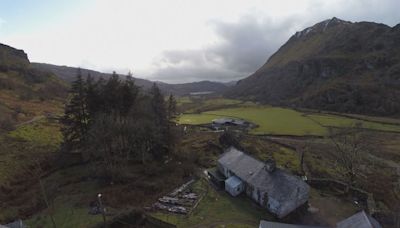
283	121
271	120
339	121
196	118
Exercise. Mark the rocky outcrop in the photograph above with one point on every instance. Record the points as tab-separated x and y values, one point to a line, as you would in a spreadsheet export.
11	58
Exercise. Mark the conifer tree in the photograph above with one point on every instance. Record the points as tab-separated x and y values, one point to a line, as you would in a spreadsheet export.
171	107
76	118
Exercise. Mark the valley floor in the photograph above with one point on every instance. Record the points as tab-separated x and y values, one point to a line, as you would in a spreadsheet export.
280	131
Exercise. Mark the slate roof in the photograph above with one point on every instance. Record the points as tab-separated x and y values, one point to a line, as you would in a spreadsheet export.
280	185
359	220
243	165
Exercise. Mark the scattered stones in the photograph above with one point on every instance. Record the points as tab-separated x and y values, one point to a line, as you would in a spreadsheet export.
179	201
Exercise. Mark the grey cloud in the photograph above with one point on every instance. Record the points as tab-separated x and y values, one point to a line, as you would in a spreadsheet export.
245	45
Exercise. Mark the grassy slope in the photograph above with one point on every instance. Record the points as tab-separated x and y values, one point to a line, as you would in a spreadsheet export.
19	147
70	207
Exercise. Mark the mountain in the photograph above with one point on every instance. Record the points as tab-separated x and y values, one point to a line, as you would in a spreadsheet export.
334	65
68	74
26	92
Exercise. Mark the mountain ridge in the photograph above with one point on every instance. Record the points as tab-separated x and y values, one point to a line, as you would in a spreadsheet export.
334	65
68	74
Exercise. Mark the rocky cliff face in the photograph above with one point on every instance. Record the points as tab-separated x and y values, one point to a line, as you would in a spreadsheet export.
334	65
11	58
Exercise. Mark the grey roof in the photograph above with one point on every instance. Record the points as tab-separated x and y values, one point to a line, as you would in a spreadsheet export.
241	164
267	224
359	220
287	189
233	181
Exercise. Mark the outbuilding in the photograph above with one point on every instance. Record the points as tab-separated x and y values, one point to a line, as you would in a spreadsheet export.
234	185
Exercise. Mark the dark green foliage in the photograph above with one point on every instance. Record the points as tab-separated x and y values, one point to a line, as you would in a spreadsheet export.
113	123
76	117
171	107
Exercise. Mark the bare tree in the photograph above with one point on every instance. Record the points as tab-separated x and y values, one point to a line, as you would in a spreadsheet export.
349	146
37	174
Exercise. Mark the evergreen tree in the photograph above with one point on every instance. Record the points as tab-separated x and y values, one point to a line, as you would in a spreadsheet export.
159	111
129	93
171	107
158	106
76	117
111	94
93	98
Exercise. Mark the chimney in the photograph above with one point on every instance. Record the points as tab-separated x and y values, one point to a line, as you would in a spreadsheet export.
270	165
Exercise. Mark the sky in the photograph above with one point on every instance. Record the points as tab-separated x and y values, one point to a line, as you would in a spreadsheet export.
174	41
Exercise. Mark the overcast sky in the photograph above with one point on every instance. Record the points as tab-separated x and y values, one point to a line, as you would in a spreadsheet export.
171	40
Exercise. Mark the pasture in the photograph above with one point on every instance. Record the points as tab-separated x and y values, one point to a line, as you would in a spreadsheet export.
280	121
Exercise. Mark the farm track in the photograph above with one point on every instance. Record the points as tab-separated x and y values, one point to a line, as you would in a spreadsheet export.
34	119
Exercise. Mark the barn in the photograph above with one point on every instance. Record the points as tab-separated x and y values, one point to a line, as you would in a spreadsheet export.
275	189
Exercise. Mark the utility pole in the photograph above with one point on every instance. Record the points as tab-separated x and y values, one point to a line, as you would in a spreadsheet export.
103	211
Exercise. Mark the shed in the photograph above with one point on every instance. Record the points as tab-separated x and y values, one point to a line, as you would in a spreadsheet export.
359	220
234	185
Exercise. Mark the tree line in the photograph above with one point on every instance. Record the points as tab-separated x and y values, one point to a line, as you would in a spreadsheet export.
114	122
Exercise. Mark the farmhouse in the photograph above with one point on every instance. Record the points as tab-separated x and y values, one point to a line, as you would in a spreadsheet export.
225	122
271	187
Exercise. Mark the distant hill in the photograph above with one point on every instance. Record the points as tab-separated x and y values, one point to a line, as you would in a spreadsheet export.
68	74
26	92
334	65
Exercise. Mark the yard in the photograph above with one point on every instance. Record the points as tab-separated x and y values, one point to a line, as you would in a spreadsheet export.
218	208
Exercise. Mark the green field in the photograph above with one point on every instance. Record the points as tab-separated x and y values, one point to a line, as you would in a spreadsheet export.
283	121
339	121
272	120
196	118
269	120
